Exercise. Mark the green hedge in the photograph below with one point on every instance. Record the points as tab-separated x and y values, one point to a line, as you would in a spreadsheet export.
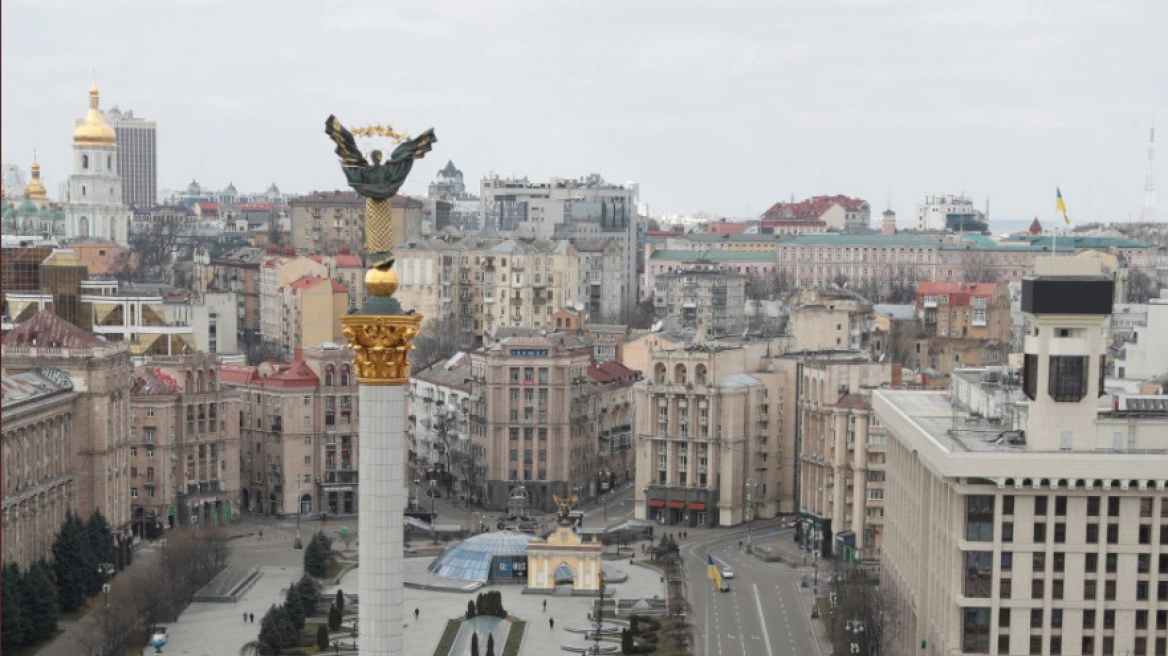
514	638
448	636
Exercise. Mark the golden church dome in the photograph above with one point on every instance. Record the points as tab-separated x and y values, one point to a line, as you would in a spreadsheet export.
94	131
35	189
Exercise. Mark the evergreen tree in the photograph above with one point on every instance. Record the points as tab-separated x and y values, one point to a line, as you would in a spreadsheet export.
474	644
101	538
490	644
40	597
309	597
316	555
276	628
322	641
15	624
633	628
73	564
340	599
480	605
293	608
470	610
627	644
334	618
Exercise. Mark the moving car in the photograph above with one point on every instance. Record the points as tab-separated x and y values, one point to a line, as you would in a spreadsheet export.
725	587
727	573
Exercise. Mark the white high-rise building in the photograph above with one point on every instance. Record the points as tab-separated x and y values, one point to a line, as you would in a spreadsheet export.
953	213
137	157
14	181
95	206
1032	522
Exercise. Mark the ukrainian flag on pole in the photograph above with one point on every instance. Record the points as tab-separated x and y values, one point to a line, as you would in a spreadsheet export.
714	574
1061	206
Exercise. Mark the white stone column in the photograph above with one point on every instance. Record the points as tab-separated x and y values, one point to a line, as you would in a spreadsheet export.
382	499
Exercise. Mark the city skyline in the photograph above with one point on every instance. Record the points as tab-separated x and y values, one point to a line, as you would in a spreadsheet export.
888	100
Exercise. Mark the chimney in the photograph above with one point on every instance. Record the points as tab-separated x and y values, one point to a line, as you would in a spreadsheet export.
897	374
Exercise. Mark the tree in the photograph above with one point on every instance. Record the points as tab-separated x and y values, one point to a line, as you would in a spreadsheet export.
627	644
340	602
14	624
322	641
309	596
474	644
334	618
1140	287
40	599
155	244
978	267
439	338
470	610
293	607
276	629
864	612
259	351
100	537
490	644
317	555
73	563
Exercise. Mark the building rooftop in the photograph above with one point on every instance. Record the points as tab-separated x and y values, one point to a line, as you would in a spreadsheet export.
47	330
897	312
713	256
861	240
451	372
33	386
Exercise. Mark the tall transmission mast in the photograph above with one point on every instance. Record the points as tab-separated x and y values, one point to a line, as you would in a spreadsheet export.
1148	211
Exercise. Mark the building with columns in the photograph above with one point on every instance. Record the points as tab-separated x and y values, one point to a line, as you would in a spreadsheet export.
94	205
1040	527
40	487
100	373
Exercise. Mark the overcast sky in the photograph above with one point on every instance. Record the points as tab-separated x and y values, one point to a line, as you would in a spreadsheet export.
724	106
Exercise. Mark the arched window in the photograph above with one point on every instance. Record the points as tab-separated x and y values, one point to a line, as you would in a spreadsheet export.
679	375
85	161
202	382
345	375
83	227
659	373
700	374
328	375
109	162
83	190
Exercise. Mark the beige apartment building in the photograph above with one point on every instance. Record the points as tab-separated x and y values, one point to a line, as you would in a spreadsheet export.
237	271
40	487
347	269
184	445
841	458
710	433
101	374
612	395
326	221
299	434
1039	527
487	283
703	298
830	320
530	413
277	272
311	311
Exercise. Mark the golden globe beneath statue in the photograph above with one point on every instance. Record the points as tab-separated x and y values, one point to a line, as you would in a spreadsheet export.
381	282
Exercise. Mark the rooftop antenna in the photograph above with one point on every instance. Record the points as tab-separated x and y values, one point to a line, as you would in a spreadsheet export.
1148	211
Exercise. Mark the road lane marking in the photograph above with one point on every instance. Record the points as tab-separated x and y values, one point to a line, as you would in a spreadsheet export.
762	620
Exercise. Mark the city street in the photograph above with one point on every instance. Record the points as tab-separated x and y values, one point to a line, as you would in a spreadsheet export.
765	613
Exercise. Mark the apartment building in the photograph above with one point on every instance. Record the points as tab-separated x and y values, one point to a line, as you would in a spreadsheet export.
665	262
1145	355
238	270
184	445
601	280
40	485
611	393
100	373
955	213
702	297
310	313
1035	531
439	423
530	414
324	221
831	320
841	454
347	269
710	433
979	311
487	283
298	433
279	270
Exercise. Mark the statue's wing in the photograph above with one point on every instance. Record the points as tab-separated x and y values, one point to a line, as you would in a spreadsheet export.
415	148
347	150
556	500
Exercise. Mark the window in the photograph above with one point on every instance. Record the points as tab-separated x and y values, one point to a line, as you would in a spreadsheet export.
1090	590
308	460
979	520
1068	378
1056	645
1089	619
1039	506
1036	644
1036	618
1092	534
976	630
1008	504
1037	589
1040	531
1060	506
1060	532
1007	531
1112	562
979	569
1003	618
1113	506
1056	589
1007	561
1113	534
1093	506
1108	619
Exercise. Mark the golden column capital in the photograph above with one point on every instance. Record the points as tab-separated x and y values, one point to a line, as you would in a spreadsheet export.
381	344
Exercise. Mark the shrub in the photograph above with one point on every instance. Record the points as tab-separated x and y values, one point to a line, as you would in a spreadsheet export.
334	618
322	641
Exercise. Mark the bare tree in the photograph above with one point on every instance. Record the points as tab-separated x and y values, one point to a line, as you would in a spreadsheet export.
264	350
978	267
439	338
862	612
1140	287
156	244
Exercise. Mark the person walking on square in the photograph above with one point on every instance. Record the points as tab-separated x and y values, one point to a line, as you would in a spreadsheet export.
245	617
251	616
552	623
416	614
545	605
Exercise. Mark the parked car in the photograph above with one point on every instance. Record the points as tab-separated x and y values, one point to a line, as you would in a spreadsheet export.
727	573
